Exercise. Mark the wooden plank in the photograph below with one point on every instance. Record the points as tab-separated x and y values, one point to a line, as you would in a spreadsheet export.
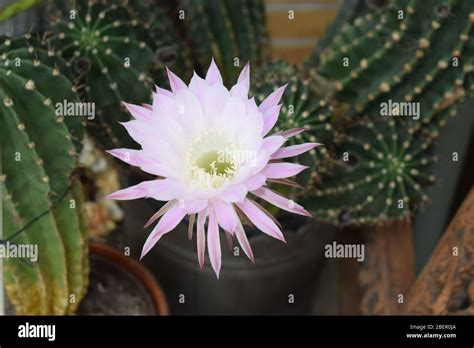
446	284
306	24
389	271
294	54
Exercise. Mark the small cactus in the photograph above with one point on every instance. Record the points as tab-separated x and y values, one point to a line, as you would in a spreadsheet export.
38	205
105	46
382	170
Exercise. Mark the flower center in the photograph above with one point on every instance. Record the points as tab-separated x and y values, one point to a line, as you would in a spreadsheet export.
210	168
215	164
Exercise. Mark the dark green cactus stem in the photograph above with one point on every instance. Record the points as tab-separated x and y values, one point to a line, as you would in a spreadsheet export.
38	157
410	56
231	32
424	58
381	175
106	49
163	38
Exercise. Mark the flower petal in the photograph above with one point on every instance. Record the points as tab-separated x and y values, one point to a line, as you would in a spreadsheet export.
235	193
272	143
160	212
175	82
270	117
280	201
245	74
293	150
133	192
138	112
201	238
213	242
243	241
282	170
162	91
273	99
290	132
226	215
255	181
260	219
198	86
128	156
194	206
168	222
241	88
213	75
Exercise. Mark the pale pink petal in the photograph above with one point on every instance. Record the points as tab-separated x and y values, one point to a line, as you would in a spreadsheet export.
245	74
255	181
201	238
213	242
282	170
213	75
273	143
137	130
270	117
294	150
147	106
140	190
290	132
260	219
226	215
194	206
235	193
162	91
198	86
168	222
138	112
241	89
272	100
175	82
244	242
280	201
129	156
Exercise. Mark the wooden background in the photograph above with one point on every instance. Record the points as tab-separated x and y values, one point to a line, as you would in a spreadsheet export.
293	39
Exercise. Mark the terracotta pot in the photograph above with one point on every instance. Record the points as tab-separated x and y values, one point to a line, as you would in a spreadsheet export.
135	273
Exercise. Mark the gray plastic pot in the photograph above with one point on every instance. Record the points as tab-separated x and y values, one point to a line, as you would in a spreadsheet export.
281	281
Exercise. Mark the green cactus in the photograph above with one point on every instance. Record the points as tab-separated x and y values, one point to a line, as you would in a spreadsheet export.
300	109
231	31
106	48
411	52
38	156
162	37
383	168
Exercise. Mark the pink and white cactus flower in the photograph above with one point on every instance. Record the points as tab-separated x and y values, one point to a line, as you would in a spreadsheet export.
210	148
